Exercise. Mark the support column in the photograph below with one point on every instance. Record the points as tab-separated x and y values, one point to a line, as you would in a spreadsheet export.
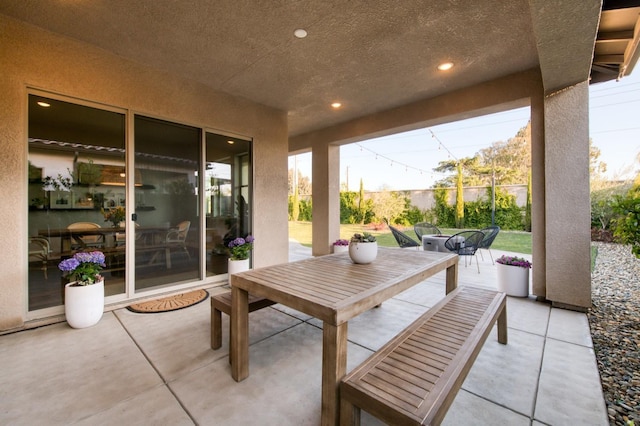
325	187
538	211
567	207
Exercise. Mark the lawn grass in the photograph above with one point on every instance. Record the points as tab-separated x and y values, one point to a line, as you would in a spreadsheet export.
515	241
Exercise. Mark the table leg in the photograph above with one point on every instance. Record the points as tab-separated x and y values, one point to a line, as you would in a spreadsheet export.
239	350
334	368
452	277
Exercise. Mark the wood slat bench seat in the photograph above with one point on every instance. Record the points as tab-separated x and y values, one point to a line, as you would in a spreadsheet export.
222	303
414	378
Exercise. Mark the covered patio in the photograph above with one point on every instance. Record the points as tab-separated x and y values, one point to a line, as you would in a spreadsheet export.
159	369
237	67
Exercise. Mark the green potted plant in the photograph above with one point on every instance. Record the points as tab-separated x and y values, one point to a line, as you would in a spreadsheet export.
239	253
61	186
363	248
513	275
84	294
115	215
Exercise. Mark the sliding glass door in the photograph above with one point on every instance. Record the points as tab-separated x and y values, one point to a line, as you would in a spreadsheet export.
76	183
167	232
227	189
162	207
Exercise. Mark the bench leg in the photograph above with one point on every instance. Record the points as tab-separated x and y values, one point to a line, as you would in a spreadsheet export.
349	414
451	278
502	326
216	328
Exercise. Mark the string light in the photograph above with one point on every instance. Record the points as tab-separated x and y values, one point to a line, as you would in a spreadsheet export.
391	161
441	145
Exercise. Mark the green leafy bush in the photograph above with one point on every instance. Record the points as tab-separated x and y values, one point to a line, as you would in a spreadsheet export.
627	224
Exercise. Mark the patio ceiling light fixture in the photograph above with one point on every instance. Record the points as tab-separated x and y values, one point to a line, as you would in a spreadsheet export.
445	66
336	105
44	104
300	33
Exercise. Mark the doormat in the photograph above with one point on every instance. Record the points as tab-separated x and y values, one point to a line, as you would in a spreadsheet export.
171	303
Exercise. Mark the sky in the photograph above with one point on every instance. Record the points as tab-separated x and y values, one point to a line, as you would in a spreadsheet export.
405	161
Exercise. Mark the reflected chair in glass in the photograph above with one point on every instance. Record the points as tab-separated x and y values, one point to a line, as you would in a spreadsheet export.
403	239
81	242
465	243
39	249
121	236
177	237
490	234
425	228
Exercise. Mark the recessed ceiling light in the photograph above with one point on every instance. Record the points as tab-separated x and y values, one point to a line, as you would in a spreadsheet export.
44	104
336	105
300	33
445	66
230	142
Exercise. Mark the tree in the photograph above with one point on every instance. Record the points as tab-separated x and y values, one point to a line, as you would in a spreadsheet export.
508	162
388	205
511	160
470	173
597	168
304	183
295	209
527	209
627	224
459	199
361	204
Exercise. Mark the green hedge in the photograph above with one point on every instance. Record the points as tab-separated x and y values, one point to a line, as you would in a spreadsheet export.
477	214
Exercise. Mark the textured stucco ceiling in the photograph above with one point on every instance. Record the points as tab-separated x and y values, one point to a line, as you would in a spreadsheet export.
371	56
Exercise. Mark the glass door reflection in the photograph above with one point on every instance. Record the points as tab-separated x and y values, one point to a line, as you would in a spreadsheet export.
74	203
227	188
167	232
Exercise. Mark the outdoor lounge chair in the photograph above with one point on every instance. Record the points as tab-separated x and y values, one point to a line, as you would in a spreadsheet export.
490	234
425	228
403	239
465	243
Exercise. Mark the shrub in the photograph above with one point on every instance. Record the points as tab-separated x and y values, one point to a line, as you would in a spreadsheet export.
627	224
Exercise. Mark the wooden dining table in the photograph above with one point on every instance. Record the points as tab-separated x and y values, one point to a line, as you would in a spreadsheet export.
333	289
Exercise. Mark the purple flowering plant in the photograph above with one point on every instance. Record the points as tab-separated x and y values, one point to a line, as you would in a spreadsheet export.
240	247
341	242
514	261
84	268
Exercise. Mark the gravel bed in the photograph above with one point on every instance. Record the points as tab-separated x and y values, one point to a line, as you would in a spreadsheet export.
615	329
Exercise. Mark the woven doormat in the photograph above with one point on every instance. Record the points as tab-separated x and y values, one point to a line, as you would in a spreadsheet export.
171	303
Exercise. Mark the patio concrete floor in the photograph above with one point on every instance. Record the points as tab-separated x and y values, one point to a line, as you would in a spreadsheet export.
158	369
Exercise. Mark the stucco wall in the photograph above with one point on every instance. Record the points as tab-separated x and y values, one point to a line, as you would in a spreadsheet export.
33	58
568	207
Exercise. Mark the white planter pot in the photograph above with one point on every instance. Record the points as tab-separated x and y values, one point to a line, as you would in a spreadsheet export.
340	249
363	252
83	305
513	280
236	266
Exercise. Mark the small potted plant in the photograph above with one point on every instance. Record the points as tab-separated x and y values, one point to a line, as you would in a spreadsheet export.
84	294
115	215
239	253
363	248
341	246
513	275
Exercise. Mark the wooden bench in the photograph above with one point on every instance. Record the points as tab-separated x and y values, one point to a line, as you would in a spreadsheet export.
222	303
414	378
